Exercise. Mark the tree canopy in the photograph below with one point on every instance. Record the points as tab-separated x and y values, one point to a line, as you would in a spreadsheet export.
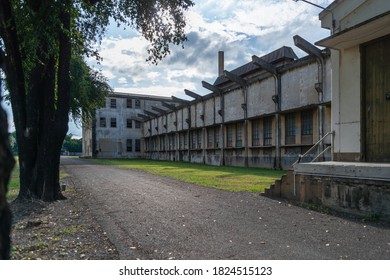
41	44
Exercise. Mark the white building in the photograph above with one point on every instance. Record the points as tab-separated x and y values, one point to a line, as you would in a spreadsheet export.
116	131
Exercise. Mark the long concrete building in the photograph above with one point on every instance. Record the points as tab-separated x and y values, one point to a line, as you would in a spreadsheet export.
262	114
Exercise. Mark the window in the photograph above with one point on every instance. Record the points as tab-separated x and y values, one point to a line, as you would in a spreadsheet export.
137	145
239	135
113	122
267	131
137	103
199	139
193	139
256	133
216	137
210	137
185	139
307	127
137	124
129	123
307	122
129	103
290	128
112	103
172	143
102	122
162	143
181	140
129	145
229	136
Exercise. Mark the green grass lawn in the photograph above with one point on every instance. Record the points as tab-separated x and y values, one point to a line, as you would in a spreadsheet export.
220	177
14	183
13	186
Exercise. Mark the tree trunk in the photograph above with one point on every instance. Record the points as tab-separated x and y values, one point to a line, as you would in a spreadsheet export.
7	163
41	108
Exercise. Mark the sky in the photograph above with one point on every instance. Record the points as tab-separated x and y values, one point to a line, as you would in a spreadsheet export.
239	28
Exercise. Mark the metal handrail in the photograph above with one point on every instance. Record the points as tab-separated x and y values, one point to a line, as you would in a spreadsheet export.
300	157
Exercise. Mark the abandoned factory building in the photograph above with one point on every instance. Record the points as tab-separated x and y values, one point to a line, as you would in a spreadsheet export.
262	114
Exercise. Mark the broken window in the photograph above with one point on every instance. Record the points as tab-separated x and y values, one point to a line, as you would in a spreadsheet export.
216	136
129	123
267	131
129	103
102	122
307	127
137	124
112	103
113	122
307	122
129	145
290	128
239	135
256	133
229	136
210	137
193	139
137	145
137	103
199	139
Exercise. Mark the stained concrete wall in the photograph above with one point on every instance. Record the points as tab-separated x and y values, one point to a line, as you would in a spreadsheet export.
298	93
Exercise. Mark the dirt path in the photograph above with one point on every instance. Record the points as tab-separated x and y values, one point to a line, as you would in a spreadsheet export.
151	217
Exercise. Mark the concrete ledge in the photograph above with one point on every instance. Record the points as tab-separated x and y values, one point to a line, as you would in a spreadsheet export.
357	170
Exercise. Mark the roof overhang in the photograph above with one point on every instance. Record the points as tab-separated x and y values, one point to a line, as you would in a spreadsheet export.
366	31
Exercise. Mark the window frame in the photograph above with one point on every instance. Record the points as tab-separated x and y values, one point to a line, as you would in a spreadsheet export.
113	103
129	148
102	122
267	131
113	123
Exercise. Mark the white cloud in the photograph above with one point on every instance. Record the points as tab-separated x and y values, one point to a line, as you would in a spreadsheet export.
240	28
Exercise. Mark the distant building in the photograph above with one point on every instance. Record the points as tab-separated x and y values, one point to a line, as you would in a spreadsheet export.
116	130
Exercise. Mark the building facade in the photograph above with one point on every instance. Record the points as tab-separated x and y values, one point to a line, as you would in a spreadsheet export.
117	129
358	180
262	114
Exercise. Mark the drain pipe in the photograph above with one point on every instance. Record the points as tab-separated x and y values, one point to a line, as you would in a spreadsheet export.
319	87
277	98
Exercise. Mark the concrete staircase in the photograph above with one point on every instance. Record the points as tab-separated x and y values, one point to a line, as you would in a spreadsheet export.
283	187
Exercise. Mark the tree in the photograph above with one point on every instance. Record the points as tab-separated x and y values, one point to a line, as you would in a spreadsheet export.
7	163
37	42
72	145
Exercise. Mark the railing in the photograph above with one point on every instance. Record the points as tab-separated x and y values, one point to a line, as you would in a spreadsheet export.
311	149
300	157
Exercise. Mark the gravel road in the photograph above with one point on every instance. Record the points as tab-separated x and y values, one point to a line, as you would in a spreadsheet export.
152	217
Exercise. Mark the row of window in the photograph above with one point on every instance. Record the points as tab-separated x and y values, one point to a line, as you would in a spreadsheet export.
129	103
262	133
129	145
113	123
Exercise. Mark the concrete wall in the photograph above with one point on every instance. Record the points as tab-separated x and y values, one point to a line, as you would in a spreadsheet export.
346	103
298	93
344	190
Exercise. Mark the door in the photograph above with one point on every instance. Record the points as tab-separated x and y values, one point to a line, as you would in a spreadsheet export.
376	92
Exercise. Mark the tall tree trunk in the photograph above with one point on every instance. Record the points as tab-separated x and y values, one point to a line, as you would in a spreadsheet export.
7	163
41	108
